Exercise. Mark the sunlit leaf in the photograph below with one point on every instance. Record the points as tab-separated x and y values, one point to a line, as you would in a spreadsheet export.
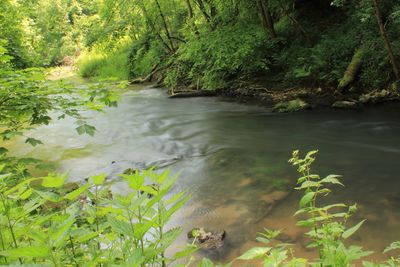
254	253
349	232
36	252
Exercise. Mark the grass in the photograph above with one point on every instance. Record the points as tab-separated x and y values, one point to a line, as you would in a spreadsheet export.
98	64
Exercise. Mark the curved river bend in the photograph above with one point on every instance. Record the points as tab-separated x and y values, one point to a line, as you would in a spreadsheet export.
233	157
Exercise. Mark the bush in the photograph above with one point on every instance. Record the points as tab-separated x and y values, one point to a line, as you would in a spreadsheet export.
49	223
145	54
227	52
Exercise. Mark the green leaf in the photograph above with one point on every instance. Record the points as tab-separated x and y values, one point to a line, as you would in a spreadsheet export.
176	207
306	199
393	246
32	205
337	205
19	186
305	223
308	177
308	184
170	236
85	236
98	179
355	252
50	196
54	181
142	228
254	253
332	179
263	240
120	227
3	150
349	232
27	193
36	252
7	135
186	252
135	181
33	141
86	129
60	235
205	263
136	259
77	192
38	236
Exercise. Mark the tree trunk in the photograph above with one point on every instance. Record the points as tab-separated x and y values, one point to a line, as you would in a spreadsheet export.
164	22
151	25
190	9
213	9
191	17
203	10
386	40
266	18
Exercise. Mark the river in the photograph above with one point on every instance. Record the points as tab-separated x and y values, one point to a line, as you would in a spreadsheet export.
233	158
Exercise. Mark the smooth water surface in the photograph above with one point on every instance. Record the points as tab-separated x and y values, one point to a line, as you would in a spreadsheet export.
233	158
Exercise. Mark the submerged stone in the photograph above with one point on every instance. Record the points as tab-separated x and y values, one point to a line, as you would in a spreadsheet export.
344	104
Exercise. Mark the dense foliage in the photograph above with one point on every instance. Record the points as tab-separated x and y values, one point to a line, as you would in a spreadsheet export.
207	43
46	221
50	223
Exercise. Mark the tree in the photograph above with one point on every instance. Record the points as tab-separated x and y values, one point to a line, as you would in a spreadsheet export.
385	39
266	18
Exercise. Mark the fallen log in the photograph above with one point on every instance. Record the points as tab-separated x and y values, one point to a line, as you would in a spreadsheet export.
188	94
147	78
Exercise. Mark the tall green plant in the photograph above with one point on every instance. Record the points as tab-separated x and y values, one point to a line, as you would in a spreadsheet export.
47	222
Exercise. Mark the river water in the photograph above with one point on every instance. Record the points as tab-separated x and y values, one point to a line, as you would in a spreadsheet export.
233	158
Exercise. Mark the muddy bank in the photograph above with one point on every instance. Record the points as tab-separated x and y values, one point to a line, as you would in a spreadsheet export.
254	92
313	96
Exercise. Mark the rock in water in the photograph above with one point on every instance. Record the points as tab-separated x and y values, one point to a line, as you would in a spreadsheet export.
205	239
344	104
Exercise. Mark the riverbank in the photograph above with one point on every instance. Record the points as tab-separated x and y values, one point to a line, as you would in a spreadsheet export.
259	93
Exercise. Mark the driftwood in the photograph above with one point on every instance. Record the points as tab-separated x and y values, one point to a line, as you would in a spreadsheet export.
188	94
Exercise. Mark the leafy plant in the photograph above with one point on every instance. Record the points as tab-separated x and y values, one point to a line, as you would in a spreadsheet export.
46	222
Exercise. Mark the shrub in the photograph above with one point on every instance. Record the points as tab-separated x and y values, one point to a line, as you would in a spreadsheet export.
46	222
229	51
